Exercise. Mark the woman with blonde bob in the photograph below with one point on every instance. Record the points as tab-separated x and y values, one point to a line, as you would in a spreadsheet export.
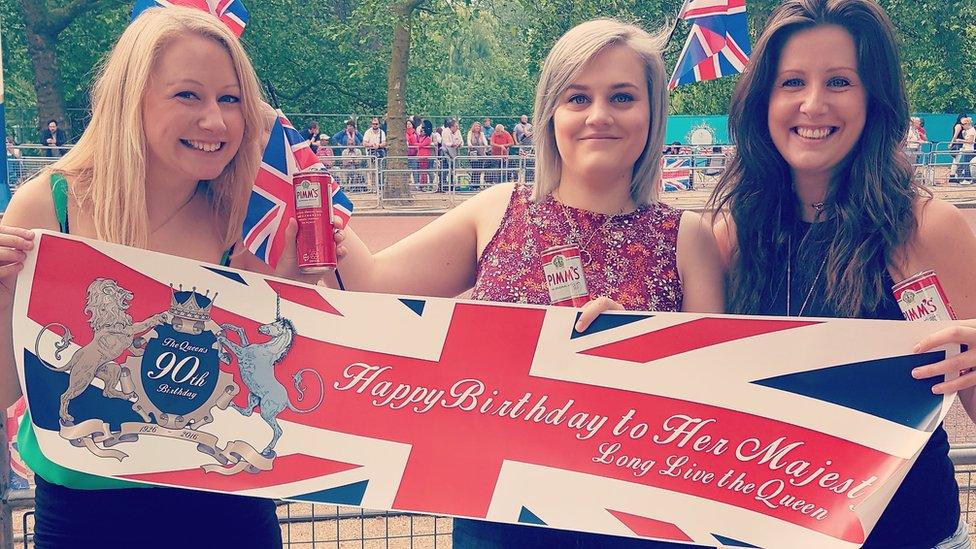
166	164
600	112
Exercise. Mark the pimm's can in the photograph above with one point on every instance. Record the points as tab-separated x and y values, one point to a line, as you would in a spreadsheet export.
563	270
921	298
316	245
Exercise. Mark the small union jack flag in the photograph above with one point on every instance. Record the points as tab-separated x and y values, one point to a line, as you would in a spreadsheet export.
231	12
718	44
18	474
676	173
272	198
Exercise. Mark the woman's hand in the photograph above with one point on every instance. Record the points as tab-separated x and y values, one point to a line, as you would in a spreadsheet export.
14	244
594	309
964	363
339	237
288	262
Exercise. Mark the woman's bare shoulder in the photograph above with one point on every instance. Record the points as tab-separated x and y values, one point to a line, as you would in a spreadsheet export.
32	206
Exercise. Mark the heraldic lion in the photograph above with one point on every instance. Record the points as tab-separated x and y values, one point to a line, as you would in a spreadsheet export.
114	333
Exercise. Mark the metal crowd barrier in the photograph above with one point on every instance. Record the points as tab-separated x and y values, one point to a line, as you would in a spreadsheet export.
438	182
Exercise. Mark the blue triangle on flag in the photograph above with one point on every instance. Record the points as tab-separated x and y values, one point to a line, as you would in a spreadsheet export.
415	305
891	394
528	517
606	321
350	494
733	542
262	250
231	275
274	151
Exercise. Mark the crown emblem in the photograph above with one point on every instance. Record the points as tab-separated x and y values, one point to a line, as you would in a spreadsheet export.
190	309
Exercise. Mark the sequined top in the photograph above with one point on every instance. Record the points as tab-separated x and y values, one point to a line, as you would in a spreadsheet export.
633	257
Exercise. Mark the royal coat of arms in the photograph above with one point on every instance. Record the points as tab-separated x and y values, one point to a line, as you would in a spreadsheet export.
168	367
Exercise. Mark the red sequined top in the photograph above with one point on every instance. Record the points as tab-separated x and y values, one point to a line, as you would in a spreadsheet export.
633	257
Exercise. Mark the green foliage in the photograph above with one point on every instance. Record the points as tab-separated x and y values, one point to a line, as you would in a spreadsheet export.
472	57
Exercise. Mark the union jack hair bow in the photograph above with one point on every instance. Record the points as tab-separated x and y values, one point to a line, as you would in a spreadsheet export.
231	12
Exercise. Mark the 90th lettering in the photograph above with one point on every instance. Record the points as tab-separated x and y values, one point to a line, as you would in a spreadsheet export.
168	364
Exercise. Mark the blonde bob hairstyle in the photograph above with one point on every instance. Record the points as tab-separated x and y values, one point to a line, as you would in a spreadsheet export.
564	63
107	167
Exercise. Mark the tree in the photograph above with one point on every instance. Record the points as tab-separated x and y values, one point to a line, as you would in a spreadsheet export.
396	88
43	23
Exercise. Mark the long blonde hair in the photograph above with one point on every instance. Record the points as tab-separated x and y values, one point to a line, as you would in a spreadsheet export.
107	167
564	63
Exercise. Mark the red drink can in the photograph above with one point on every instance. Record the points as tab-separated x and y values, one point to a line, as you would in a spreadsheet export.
921	298
316	247
563	270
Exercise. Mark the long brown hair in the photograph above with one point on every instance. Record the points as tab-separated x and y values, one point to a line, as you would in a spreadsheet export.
869	201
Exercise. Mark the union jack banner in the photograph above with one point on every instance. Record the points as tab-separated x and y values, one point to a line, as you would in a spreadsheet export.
273	196
231	12
675	173
692	428
718	43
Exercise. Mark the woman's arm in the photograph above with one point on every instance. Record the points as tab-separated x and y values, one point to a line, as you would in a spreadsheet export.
946	244
438	260
699	266
30	208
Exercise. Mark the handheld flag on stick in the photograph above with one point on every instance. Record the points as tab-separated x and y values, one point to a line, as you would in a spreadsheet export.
718	44
272	198
272	201
231	12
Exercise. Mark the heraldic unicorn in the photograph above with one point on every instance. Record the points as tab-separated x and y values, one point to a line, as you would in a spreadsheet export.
257	361
167	367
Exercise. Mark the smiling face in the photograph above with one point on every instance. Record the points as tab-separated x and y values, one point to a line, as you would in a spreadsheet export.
192	111
818	105
603	117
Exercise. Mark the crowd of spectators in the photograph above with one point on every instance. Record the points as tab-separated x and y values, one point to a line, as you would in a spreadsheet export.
487	149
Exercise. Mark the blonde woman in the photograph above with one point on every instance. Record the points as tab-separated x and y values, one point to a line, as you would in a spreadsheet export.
478	149
165	164
600	112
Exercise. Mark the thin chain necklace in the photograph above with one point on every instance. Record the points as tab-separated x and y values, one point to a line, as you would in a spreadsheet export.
789	276
175	213
585	256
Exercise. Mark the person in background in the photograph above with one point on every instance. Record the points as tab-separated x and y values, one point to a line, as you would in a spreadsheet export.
487	128
955	144
425	151
324	151
53	138
500	141
914	141
451	143
374	139
348	136
966	153
311	134
478	150
412	139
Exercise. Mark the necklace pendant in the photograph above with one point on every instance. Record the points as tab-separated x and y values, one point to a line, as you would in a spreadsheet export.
585	258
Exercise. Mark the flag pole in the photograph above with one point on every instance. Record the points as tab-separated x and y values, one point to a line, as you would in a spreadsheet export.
4	184
677	20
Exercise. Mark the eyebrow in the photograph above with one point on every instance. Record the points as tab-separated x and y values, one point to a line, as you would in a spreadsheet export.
830	69
184	81
616	86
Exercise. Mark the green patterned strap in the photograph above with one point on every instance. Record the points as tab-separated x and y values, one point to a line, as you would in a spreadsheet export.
59	192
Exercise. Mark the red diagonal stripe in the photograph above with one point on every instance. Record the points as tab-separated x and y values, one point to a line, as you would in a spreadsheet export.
688	336
650	528
303	296
290	468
